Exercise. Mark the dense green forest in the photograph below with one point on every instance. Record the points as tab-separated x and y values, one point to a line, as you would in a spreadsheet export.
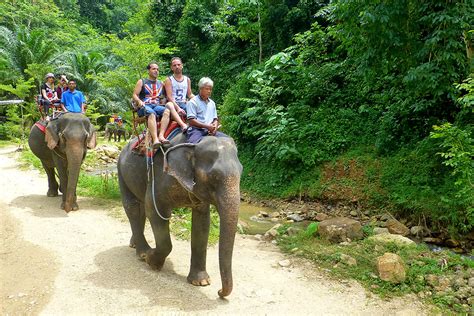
364	102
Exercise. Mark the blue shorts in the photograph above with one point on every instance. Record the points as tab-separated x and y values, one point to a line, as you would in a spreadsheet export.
182	104
149	109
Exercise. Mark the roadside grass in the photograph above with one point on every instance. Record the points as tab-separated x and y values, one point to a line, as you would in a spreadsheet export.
180	225
419	260
5	143
27	160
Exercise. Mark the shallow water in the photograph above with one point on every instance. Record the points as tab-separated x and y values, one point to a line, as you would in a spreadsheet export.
248	214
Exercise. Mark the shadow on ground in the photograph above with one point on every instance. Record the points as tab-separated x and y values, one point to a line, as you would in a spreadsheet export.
120	269
40	205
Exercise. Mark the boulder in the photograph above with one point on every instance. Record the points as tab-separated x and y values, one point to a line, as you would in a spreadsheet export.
110	151
340	229
380	230
395	227
295	217
321	217
272	233
348	260
391	268
390	238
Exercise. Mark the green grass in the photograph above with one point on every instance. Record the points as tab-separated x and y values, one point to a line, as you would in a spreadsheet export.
28	159
102	186
180	225
419	262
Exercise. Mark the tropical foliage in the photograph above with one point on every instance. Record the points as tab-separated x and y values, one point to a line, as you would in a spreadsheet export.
303	86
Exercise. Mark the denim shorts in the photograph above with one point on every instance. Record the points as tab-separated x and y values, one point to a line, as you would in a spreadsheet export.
182	104
149	109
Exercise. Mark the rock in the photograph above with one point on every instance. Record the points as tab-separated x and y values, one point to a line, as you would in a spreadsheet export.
353	213
395	227
385	217
340	229
263	214
391	268
452	243
432	240
471	282
432	280
295	217
380	230
274	215
111	151
458	282
418	231
321	217
272	233
390	238
348	260
443	284
284	263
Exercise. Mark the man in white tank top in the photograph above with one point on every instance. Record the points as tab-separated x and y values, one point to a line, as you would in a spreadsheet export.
178	91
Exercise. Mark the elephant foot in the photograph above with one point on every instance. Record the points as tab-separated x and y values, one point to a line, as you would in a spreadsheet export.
132	243
154	260
52	193
200	278
69	207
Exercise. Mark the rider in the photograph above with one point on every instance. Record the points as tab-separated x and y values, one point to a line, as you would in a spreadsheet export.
48	93
146	95
202	114
73	100
62	86
178	87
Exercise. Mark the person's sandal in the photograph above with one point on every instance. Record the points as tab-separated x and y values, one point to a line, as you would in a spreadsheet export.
156	145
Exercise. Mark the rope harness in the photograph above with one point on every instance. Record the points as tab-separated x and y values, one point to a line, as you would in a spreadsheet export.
151	167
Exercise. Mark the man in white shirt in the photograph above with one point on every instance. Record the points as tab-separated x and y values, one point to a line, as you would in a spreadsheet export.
202	114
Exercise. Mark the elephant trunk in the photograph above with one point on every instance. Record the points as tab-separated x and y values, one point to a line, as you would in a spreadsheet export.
74	160
228	207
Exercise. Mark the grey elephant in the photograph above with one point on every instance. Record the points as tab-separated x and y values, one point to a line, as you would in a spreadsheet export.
113	129
63	146
188	175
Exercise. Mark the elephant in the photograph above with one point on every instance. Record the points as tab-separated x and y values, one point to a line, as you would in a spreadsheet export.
187	175
63	146
112	129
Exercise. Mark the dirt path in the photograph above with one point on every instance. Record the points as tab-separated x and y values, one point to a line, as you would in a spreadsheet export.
54	263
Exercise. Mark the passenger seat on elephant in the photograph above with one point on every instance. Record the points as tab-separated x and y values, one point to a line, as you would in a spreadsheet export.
142	141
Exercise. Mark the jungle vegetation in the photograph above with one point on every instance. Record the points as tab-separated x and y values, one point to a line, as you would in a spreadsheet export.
366	102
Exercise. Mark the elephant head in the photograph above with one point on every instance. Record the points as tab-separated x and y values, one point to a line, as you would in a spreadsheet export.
211	172
69	137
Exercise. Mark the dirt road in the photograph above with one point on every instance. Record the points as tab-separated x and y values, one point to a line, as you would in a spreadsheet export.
53	263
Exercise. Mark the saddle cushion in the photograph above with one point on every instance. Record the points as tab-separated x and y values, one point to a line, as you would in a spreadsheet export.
41	126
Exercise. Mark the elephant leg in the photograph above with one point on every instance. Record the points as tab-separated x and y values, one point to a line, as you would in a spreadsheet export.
52	183
136	216
199	238
62	172
156	257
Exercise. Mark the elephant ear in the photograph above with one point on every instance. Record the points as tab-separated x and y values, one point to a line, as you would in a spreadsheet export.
179	163
91	140
52	137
